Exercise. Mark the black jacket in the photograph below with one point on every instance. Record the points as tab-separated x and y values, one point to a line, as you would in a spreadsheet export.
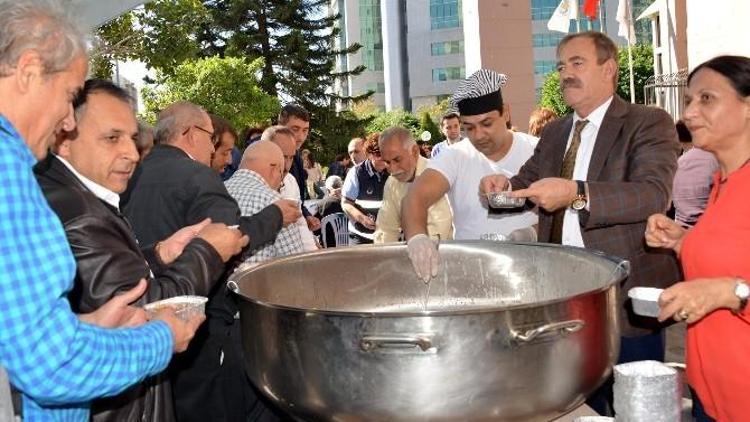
109	260
168	191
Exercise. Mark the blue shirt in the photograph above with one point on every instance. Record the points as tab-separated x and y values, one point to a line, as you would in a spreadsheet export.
58	362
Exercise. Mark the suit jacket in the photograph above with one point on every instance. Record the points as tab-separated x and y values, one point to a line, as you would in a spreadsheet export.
168	191
109	260
630	177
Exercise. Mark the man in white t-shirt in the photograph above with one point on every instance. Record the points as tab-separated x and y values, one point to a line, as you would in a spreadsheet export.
458	170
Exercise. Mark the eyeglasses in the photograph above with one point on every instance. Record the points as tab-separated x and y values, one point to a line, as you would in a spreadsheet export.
209	133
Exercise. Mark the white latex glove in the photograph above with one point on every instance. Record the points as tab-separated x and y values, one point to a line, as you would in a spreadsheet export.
526	234
424	256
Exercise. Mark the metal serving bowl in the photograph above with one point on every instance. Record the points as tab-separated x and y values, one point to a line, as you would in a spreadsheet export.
505	332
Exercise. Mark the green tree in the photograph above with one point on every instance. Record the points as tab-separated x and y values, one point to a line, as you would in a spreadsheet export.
643	68
551	96
427	124
224	86
436	110
383	121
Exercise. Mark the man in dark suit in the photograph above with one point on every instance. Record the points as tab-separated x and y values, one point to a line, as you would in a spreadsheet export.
174	187
598	174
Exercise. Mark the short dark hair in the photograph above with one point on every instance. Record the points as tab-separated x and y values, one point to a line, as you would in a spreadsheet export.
293	110
221	126
735	68
448	116
94	86
605	47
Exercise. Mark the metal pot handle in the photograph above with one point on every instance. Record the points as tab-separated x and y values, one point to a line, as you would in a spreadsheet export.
553	328
370	343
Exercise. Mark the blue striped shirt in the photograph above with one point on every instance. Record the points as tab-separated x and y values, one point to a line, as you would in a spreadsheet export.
56	361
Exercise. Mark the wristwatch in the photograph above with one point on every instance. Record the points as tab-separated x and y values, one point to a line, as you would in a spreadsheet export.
742	291
580	201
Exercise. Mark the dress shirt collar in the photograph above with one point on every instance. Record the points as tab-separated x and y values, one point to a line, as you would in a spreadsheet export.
98	190
595	117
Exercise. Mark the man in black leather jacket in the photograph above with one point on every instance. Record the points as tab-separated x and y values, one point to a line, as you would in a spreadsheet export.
81	181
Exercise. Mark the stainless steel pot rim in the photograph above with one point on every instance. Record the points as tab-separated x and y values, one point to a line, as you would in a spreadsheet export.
620	264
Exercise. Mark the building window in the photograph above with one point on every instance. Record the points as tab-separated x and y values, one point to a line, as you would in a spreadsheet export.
445	14
543	67
447	47
542	10
550	39
370	34
443	74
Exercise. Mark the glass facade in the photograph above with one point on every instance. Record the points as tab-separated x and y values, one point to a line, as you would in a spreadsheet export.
371	37
549	39
543	9
445	14
447	47
448	74
543	67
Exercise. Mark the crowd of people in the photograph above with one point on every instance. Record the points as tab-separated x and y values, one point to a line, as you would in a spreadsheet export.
101	214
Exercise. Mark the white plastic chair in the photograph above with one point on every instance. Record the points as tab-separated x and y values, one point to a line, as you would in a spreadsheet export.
338	222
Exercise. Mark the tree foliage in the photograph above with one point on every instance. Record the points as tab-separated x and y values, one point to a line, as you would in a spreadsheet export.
643	68
295	39
427	124
551	96
383	121
224	86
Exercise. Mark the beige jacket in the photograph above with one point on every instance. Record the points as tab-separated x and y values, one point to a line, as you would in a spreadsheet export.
388	224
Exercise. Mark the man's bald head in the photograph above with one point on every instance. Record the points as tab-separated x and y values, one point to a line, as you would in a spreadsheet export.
266	159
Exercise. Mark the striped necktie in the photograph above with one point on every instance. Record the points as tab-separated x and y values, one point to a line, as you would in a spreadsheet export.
569	163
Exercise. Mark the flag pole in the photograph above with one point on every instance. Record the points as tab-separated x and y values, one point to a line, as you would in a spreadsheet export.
602	24
630	50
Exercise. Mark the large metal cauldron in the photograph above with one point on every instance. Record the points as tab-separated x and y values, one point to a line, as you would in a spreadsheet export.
509	332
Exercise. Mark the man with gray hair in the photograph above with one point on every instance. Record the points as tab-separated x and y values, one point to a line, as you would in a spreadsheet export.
58	360
176	187
403	161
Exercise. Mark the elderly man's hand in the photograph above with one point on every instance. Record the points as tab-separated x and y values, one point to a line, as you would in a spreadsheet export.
424	256
227	241
182	331
118	312
663	232
493	183
551	193
171	248
290	210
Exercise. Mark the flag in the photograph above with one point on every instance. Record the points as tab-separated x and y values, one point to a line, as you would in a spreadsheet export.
560	19
589	9
625	21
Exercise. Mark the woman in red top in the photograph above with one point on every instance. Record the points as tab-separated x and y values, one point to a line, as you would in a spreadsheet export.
715	254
